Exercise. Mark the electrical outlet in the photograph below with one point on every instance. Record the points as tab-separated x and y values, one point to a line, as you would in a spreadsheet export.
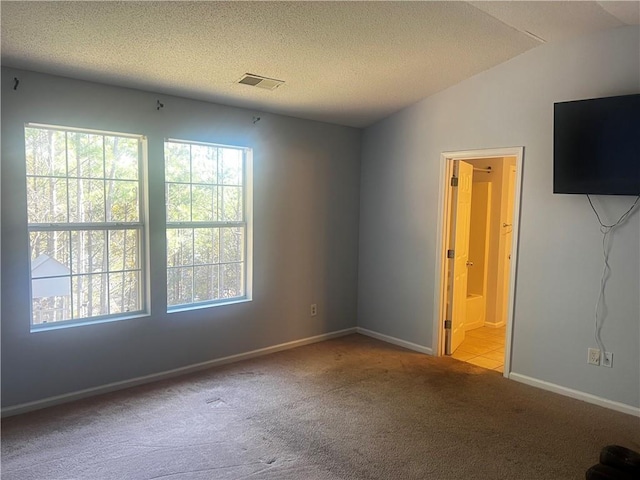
314	309
593	356
607	359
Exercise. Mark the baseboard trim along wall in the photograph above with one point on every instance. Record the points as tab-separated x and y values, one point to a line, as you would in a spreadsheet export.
395	341
111	387
534	382
568	392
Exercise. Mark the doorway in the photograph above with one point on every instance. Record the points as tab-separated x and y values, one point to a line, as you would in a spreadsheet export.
477	252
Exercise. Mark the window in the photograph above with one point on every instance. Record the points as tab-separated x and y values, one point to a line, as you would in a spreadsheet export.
86	224
207	190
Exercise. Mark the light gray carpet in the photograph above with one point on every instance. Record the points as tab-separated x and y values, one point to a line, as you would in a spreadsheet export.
350	408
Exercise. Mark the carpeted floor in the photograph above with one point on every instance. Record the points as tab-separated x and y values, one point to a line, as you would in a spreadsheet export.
349	408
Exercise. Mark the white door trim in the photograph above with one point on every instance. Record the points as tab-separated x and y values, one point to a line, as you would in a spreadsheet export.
442	240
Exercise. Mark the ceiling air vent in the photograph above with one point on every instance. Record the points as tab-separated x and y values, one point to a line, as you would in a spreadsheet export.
260	82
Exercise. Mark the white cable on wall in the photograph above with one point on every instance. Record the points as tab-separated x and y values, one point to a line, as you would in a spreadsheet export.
606	270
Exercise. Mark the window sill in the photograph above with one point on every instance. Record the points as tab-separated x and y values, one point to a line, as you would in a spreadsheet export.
45	327
200	306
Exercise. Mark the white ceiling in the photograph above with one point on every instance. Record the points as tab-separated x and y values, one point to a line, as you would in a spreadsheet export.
350	63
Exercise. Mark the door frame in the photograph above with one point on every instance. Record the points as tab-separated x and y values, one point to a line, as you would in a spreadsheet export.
444	218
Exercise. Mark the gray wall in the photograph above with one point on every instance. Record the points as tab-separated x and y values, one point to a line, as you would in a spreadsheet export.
560	259
306	193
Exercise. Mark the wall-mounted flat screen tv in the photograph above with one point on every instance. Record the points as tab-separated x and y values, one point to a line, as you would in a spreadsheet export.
596	146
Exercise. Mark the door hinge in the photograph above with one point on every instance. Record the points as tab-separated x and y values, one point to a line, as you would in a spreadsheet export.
447	324
451	253
454	181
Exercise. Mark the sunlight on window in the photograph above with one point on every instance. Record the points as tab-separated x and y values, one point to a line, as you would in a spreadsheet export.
84	219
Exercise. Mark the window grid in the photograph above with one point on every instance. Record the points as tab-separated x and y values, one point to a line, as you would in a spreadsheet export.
217	199
80	229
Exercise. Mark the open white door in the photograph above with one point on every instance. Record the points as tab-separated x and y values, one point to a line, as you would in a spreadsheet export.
462	184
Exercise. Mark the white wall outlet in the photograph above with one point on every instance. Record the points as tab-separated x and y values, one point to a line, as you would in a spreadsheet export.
314	309
593	357
607	359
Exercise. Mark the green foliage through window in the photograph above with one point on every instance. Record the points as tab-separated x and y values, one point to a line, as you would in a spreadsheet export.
85	225
206	223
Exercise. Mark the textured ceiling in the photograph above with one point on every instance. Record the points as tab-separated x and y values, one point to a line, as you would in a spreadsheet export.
350	63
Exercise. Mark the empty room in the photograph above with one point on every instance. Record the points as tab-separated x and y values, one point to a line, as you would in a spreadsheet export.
320	240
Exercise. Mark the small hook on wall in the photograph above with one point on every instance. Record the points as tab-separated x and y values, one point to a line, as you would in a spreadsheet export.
256	120
16	82
159	105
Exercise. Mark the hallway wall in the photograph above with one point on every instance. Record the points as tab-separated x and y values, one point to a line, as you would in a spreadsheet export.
495	266
479	236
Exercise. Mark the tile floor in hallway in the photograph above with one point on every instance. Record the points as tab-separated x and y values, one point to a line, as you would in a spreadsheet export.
483	347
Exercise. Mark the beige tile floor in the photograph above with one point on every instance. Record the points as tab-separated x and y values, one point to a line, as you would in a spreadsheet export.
483	347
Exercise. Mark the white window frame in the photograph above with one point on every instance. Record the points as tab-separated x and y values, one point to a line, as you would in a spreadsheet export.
246	224
141	225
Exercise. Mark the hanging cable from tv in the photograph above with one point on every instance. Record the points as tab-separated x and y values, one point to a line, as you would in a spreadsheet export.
606	230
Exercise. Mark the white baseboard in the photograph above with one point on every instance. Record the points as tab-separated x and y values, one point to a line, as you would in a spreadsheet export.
473	325
568	392
395	341
111	387
534	382
495	325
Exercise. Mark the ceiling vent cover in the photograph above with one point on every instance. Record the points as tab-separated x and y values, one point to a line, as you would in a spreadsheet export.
260	82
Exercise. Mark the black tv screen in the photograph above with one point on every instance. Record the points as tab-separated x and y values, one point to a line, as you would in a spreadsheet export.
596	146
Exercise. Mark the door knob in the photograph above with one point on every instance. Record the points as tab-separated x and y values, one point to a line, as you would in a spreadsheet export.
469	264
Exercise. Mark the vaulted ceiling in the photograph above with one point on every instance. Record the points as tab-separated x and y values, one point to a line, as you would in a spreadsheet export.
350	63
